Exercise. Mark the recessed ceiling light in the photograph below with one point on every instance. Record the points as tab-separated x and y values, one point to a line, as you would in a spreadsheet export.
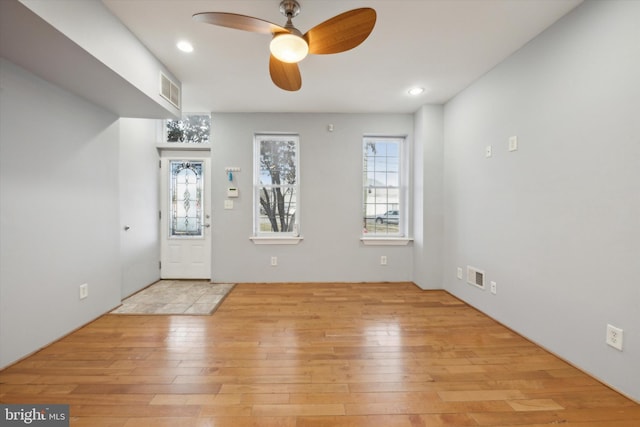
185	46
415	91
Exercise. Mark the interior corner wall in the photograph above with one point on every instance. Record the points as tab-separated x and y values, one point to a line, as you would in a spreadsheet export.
428	163
330	201
59	216
139	203
556	224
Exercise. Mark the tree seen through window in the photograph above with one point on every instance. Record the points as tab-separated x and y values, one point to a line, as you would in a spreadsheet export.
277	183
192	129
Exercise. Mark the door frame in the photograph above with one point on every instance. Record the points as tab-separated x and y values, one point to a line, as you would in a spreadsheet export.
166	271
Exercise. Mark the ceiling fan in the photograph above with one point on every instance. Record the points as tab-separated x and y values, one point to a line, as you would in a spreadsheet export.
289	46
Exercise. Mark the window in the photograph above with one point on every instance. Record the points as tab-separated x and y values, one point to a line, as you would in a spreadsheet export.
382	203
276	185
186	198
191	129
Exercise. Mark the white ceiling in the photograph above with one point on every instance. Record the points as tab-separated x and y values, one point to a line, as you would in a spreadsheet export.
441	45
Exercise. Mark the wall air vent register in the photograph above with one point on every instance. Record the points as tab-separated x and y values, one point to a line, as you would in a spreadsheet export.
475	277
169	91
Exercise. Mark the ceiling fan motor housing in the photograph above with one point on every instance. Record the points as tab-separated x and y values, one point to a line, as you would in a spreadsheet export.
289	8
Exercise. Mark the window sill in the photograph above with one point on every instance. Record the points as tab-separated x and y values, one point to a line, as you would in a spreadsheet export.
182	146
386	241
283	240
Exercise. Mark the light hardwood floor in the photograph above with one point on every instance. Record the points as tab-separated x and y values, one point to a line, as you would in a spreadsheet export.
313	355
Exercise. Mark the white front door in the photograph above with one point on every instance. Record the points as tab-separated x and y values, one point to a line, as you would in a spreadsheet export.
185	218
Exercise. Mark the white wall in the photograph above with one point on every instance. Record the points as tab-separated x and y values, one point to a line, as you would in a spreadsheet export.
428	197
139	204
557	223
330	201
59	218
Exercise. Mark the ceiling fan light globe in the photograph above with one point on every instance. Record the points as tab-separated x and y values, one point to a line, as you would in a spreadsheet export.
289	48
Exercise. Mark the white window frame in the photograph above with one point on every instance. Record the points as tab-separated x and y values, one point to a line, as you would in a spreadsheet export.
401	236
272	237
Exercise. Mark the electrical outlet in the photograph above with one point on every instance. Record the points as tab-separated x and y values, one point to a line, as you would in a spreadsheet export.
84	290
494	287
487	151
459	273
383	260
274	261
513	143
614	337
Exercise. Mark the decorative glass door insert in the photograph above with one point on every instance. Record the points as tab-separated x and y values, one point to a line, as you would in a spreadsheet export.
186	182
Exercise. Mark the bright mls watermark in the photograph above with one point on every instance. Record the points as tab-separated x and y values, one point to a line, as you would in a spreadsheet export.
34	415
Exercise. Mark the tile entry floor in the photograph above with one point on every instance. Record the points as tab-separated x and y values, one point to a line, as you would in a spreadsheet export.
194	297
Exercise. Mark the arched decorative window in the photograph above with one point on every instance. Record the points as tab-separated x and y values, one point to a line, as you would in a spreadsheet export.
186	198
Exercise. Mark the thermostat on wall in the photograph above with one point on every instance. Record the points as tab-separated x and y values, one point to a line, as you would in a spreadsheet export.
232	192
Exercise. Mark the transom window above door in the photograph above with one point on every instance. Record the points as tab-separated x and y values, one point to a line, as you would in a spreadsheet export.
193	128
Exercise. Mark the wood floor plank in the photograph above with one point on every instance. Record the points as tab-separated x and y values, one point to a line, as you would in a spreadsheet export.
528	405
111	421
313	355
243	422
264	410
433	407
438	420
480	395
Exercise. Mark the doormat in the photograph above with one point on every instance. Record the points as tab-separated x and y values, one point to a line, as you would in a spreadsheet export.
192	297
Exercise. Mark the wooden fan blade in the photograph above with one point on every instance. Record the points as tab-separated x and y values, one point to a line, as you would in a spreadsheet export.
239	22
342	32
285	75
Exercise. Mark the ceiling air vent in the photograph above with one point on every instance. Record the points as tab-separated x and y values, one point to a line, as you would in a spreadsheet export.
475	277
169	91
